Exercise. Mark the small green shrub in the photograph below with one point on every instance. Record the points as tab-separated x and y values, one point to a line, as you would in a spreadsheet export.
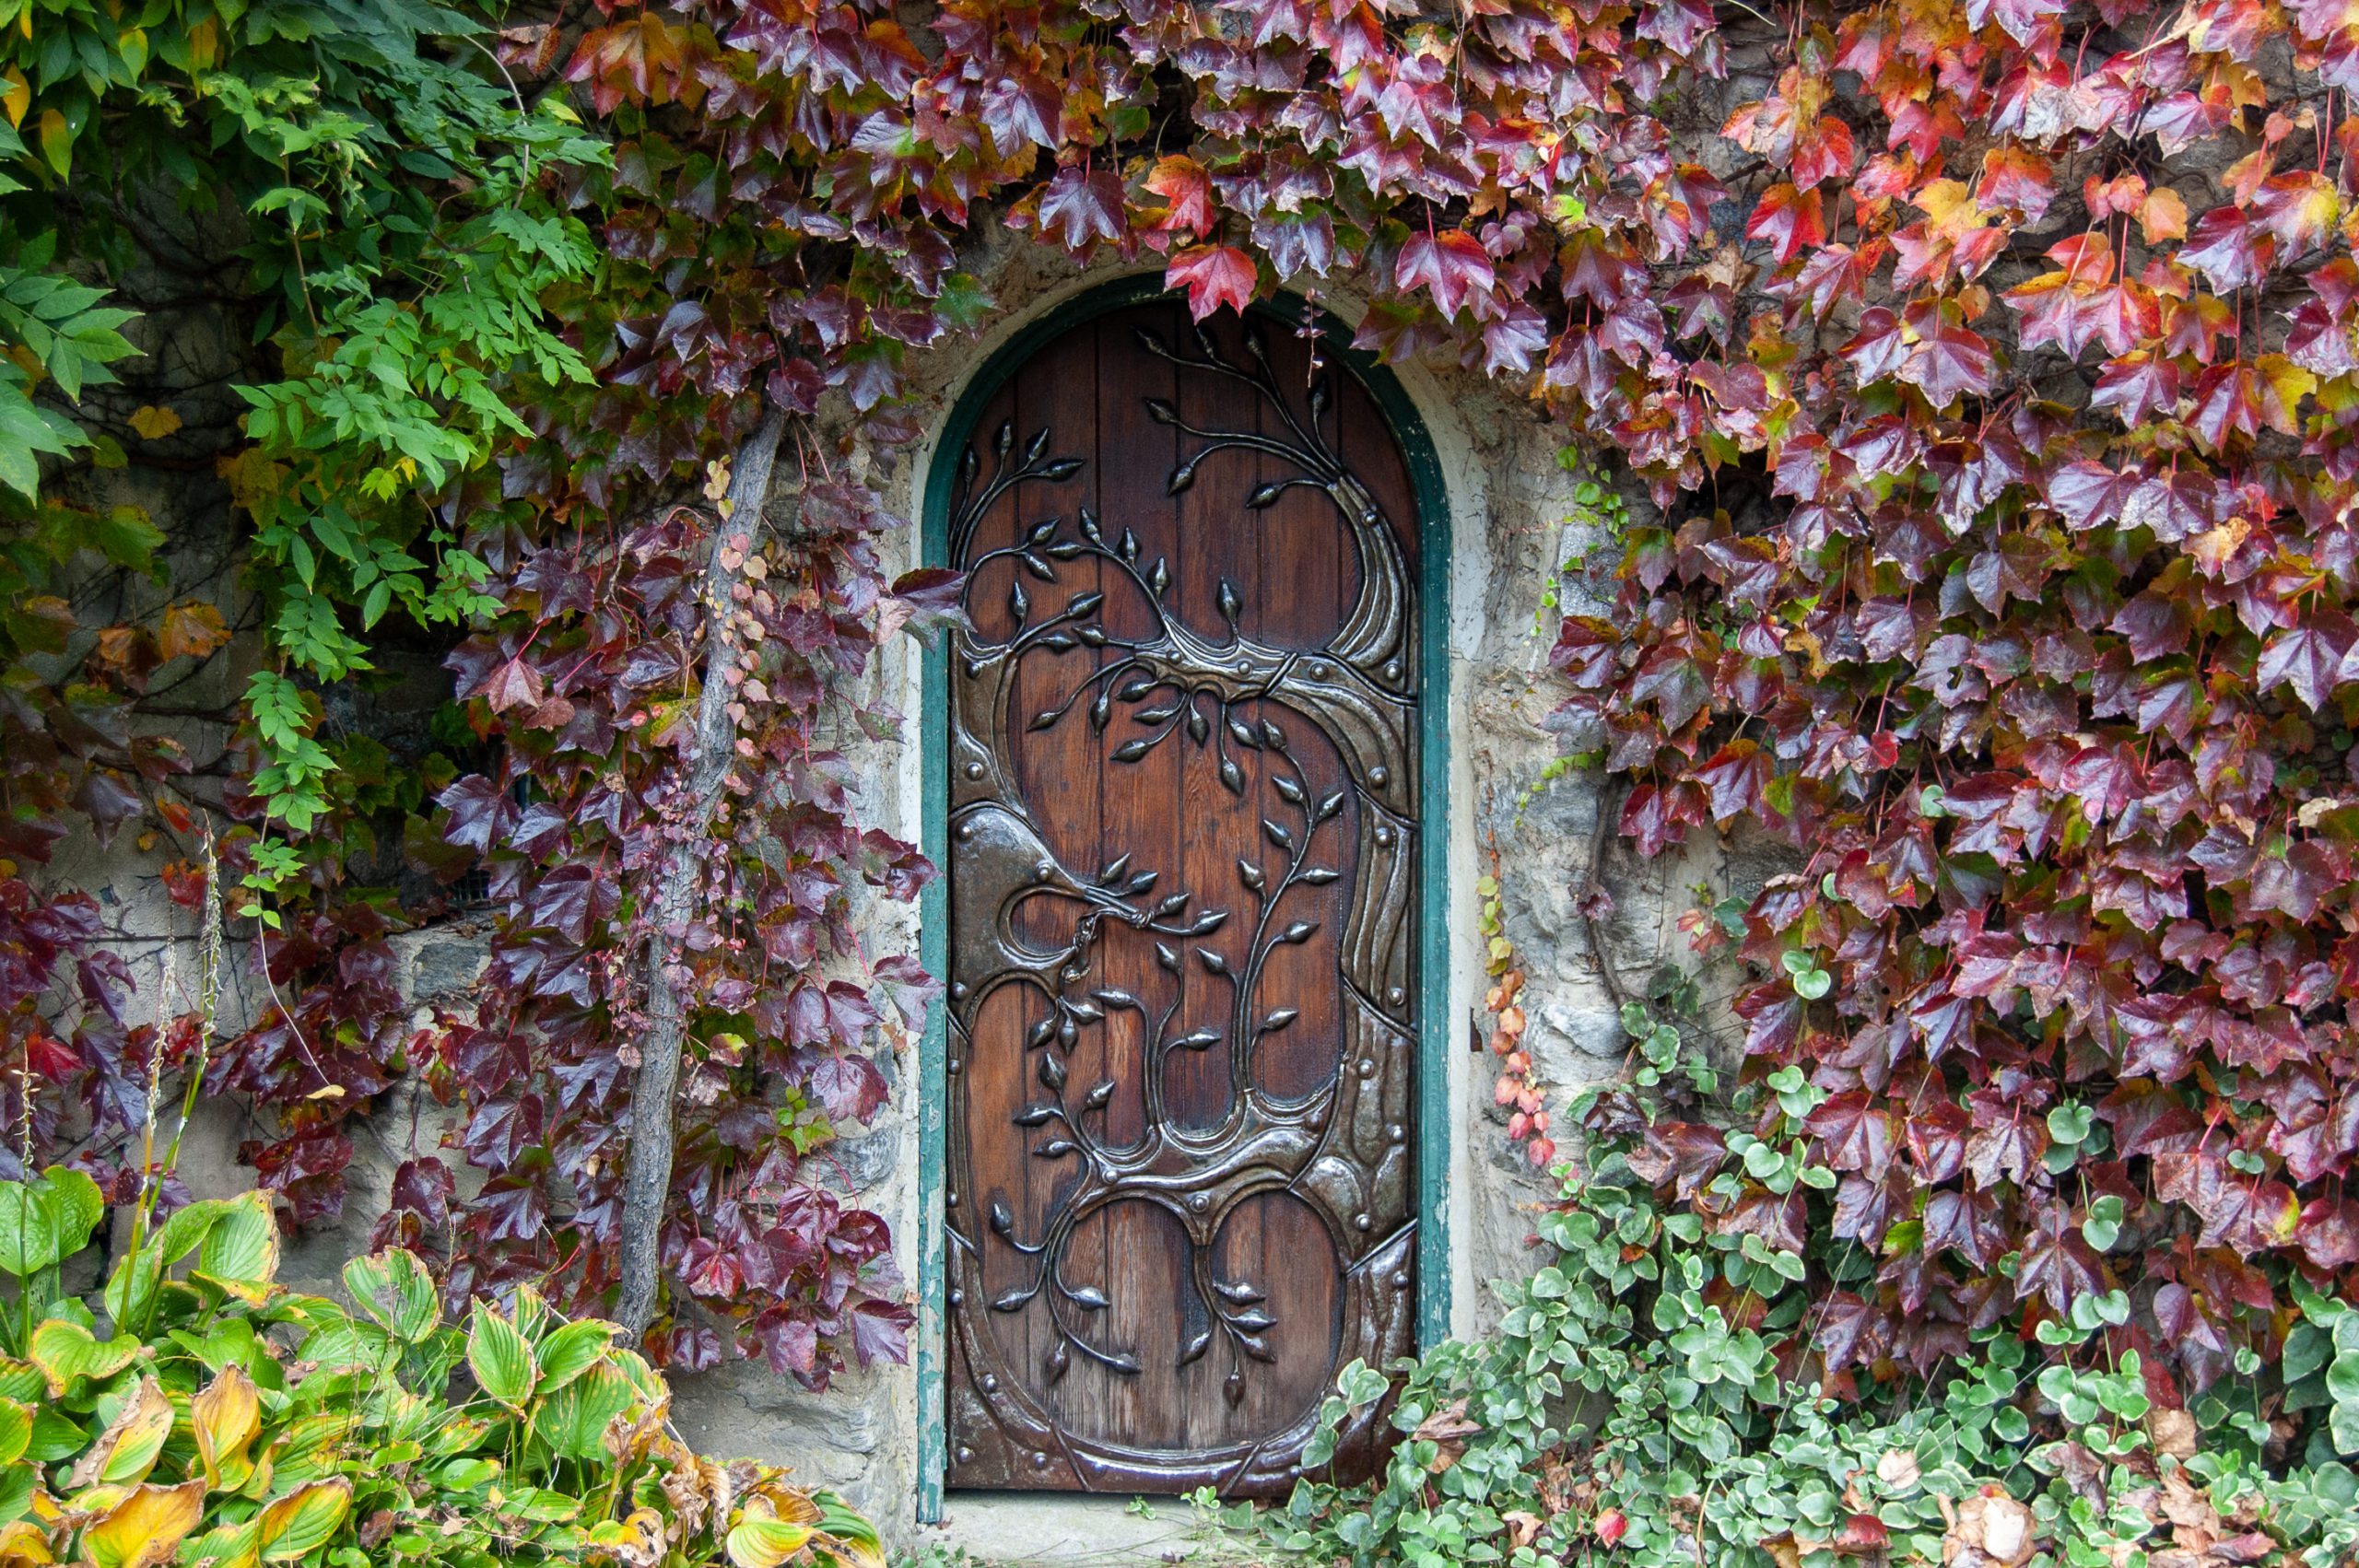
1632	1407
204	1415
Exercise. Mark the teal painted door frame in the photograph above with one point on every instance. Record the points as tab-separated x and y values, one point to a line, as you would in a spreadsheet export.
1434	1031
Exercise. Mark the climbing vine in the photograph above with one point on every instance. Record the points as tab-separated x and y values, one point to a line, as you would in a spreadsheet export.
2016	600
1638	1403
1987	366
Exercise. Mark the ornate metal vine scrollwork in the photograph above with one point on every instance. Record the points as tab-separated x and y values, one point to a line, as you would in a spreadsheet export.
1341	1147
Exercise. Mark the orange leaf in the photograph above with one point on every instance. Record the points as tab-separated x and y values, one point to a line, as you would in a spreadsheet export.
2163	215
193	629
1187	190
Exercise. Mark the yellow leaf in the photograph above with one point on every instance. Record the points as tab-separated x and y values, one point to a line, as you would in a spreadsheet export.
1949	204
225	1417
153	423
146	1527
1805	643
776	1500
2163	215
16	1431
57	142
127	1451
23	1544
15	95
638	1541
253	478
2314	812
2282	386
301	1521
766	1543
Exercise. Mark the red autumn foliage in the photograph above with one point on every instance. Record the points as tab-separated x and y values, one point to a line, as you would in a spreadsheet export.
1998	399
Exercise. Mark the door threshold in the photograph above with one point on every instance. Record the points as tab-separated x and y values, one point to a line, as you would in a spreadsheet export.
1063	1529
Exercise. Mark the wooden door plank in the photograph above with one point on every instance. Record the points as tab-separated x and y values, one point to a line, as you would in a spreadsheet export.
1177	1210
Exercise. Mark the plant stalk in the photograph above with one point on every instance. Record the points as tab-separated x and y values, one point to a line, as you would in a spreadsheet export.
713	747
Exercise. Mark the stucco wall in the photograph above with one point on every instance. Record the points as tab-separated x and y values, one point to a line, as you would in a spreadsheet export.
1510	502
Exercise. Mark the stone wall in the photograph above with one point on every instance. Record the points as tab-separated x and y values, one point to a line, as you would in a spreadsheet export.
1510	503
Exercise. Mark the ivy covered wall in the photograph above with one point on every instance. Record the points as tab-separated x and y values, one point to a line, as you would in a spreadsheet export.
1518	519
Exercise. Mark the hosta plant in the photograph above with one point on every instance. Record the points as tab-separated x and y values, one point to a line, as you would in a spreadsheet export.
194	1411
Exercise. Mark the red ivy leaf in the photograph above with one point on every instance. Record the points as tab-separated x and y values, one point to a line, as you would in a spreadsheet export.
1214	275
1789	218
1080	207
2306	659
1451	265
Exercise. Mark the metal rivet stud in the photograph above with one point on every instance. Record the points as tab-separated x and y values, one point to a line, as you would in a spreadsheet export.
1361	1222
950	1066
1380	776
1200	1202
1045	870
974	770
1040	1460
950	1200
966	831
957	1298
1395	1133
1392	670
1367	1067
1384	836
957	991
1318	670
990	1384
1396	996
965	1455
1400	1281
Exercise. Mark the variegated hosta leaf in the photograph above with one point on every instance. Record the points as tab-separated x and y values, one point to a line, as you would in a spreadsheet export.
240	1252
65	1351
395	1288
128	1448
224	1417
301	1521
501	1359
145	1528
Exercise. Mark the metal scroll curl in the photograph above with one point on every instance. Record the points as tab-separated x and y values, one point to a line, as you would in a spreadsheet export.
1340	1149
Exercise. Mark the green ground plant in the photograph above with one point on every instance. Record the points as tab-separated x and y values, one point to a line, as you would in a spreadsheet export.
203	1414
1634	1406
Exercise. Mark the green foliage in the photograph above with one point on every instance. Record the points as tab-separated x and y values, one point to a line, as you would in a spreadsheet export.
211	1417
2321	1366
402	238
1634	1398
1598	510
51	329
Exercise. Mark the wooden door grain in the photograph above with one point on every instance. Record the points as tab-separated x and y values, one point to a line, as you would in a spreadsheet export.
1180	1193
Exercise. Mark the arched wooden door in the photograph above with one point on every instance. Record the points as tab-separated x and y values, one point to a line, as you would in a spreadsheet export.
1179	1191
